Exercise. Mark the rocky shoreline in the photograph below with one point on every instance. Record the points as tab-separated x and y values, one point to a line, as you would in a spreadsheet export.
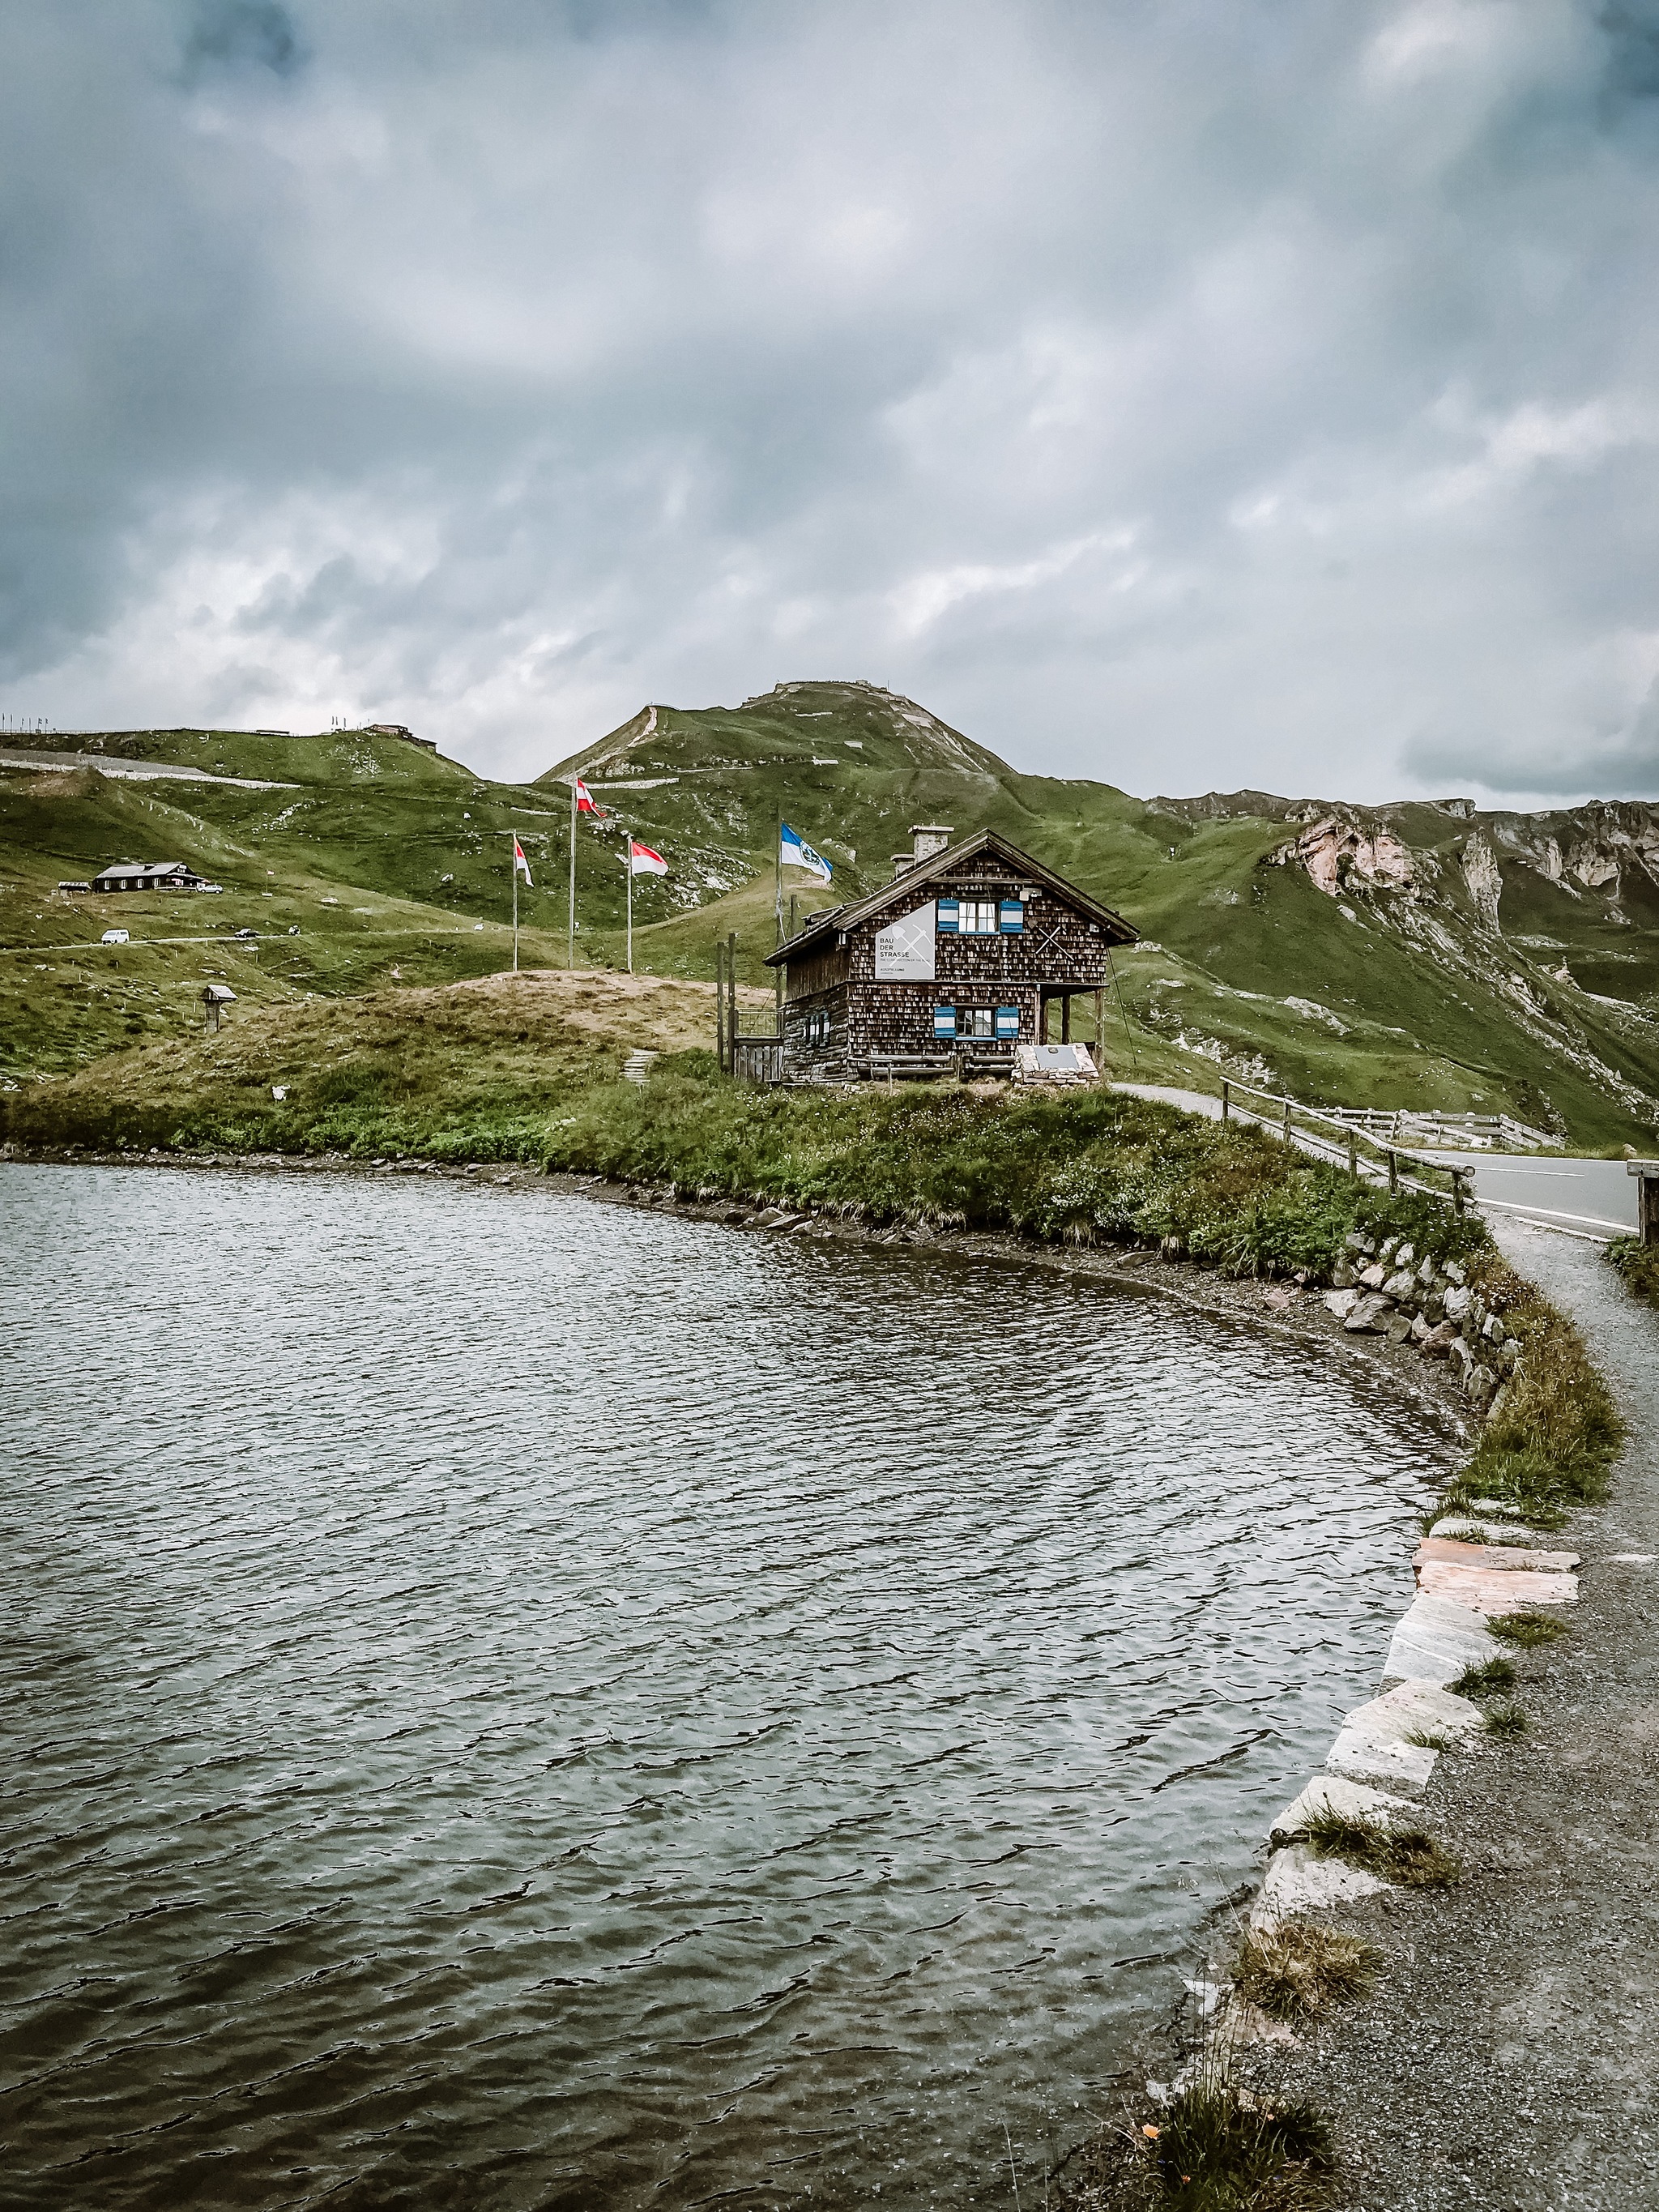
1430	1304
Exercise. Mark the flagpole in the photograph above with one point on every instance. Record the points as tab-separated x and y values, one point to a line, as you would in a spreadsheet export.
515	873
627	862
570	941
777	884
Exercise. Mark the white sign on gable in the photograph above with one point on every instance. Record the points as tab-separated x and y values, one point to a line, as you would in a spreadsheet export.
904	950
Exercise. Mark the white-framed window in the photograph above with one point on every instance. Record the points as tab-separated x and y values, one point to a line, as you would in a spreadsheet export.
975	1021
977	917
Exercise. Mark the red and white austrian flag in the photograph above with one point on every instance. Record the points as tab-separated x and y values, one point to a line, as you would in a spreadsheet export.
584	800
519	863
643	861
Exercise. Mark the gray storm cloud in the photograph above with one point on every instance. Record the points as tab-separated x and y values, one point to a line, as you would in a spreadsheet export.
1177	395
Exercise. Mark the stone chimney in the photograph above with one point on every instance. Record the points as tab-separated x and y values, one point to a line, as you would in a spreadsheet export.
903	862
931	837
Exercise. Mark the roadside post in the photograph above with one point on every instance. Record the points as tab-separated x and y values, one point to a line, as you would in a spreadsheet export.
1647	1198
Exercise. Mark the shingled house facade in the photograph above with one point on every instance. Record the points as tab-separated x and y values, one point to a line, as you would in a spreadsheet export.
956	961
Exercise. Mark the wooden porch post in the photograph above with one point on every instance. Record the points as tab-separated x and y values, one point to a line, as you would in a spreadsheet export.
1066	1018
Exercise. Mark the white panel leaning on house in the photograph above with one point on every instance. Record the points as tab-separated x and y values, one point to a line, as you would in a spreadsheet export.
905	949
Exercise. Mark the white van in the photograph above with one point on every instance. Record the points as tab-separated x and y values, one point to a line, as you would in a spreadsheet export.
113	937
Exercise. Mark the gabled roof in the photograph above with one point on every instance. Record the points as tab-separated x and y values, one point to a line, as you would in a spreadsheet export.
146	868
1112	926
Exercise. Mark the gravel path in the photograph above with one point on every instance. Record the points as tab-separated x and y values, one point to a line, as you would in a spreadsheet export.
1510	2058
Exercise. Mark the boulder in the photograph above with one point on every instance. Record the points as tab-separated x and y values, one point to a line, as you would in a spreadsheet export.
1437	1640
1399	1328
1297	1882
1479	1385
1341	1302
1370	1312
1502	1589
1342	1276
1375	1276
1458	1303
1333	1793
1421	1330
1499	1557
1453	1271
1401	1283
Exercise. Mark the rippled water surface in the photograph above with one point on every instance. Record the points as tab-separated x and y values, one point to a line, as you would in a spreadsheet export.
512	1703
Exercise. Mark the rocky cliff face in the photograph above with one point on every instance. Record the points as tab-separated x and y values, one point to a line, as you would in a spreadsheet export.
1438	876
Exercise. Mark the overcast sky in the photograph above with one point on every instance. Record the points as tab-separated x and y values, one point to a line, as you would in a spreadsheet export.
1182	392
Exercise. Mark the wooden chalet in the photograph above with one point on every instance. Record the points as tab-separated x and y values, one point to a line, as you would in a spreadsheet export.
147	876
948	967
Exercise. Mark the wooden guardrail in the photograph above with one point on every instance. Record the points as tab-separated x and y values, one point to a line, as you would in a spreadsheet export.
1400	1123
1290	1116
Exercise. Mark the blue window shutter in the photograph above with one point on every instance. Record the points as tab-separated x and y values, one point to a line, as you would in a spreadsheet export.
1008	1021
950	913
1011	917
945	1021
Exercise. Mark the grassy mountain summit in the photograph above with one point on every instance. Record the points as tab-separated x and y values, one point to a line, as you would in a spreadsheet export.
1420	954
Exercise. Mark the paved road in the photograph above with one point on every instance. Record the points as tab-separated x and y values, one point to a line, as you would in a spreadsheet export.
1597	1190
134	771
1507	2062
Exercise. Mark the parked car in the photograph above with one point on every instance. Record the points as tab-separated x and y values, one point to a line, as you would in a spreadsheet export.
245	932
113	937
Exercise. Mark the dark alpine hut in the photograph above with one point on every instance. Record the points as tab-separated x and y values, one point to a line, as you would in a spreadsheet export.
951	964
146	876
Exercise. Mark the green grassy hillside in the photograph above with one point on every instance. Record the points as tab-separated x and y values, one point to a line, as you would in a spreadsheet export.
1514	966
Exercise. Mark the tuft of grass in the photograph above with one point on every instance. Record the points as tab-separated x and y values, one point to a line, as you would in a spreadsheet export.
1637	1264
1299	1971
1507	1721
1428	1740
1480	1681
1531	1630
1405	1855
1217	2149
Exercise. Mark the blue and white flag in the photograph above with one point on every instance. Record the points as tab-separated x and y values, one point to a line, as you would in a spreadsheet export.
795	852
